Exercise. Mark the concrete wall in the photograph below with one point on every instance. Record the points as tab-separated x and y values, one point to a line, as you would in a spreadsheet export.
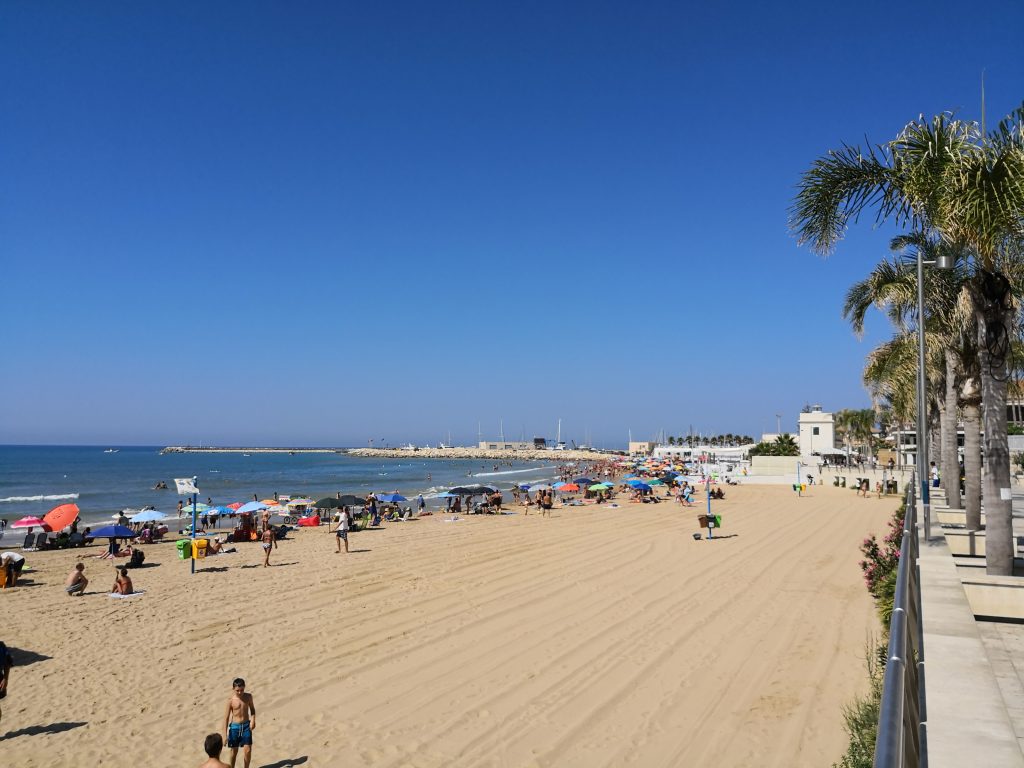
776	465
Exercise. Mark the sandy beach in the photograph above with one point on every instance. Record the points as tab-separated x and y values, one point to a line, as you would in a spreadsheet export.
596	637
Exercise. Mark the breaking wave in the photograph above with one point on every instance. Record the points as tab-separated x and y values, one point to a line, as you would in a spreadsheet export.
52	497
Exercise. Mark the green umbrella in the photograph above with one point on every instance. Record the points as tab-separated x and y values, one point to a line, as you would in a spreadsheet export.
655	481
598	487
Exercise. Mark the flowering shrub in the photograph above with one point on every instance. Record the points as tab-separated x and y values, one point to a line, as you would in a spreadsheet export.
880	559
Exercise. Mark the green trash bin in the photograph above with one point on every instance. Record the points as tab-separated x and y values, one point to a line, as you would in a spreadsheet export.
184	549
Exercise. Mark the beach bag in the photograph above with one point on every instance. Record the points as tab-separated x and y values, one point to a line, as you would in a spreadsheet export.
138	556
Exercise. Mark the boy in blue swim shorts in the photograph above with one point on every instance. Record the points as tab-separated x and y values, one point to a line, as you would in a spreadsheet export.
239	722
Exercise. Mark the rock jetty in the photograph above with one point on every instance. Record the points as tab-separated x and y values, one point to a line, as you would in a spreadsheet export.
481	453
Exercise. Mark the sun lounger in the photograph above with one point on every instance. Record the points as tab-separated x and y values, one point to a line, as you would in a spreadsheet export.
41	541
30	543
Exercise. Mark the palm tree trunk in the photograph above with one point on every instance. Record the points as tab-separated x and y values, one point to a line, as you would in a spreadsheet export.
972	456
993	340
949	465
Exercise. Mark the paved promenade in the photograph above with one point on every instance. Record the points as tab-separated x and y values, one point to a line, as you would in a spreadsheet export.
974	670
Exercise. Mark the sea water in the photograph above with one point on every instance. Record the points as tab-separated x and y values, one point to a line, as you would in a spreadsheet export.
34	479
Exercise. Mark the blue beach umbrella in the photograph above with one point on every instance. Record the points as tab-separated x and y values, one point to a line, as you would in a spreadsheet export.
391	497
558	485
113	532
642	487
628	477
581	481
220	511
147	516
541	487
634	482
252	506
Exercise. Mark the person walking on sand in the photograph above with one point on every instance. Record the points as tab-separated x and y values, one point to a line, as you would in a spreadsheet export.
213	745
76	581
269	541
239	722
343	526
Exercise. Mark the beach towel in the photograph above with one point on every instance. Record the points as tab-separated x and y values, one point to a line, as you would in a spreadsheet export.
133	594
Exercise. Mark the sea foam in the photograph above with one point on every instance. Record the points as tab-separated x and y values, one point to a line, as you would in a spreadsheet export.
53	497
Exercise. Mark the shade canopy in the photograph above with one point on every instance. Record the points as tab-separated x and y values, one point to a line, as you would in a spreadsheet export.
27	522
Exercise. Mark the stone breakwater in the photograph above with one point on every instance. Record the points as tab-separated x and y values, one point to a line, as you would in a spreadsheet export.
209	449
479	453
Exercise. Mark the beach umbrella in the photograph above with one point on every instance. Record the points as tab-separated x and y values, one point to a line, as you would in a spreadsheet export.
348	500
113	532
656	481
234	507
642	487
629	477
329	502
583	481
567	487
634	482
447	495
300	503
148	516
272	502
199	507
391	498
598	487
252	506
558	486
541	487
524	487
228	510
27	522
61	517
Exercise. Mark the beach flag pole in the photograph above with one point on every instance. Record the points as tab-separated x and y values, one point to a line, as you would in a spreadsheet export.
194	500
707	492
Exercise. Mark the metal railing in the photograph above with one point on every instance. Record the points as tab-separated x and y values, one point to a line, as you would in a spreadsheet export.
902	718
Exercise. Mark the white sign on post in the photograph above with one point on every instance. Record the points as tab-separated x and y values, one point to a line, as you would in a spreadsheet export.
186	486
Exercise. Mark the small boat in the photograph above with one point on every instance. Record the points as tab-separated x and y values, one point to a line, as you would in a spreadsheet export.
111	450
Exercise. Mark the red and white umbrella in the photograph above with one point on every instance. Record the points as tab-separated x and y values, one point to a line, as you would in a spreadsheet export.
28	522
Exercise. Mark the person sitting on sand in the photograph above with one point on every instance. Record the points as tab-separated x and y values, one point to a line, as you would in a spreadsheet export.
213	745
123	583
76	581
13	564
216	547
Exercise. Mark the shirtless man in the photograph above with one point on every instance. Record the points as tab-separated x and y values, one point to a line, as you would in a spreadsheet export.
239	722
76	581
269	542
123	584
213	746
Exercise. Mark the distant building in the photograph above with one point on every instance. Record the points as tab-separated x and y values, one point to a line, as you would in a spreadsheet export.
641	447
817	432
506	445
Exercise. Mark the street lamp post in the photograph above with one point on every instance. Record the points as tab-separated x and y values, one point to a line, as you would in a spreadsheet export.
942	262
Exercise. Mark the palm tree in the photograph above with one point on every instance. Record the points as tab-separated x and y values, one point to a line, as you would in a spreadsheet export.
944	177
892	287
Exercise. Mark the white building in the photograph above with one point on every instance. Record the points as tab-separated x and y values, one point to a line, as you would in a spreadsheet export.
817	432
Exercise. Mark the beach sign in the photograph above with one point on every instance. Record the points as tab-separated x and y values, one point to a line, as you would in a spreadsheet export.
186	486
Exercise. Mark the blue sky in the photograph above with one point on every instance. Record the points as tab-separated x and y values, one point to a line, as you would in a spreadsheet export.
324	223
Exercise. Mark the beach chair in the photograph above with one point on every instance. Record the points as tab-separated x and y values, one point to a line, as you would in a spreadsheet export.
41	542
29	545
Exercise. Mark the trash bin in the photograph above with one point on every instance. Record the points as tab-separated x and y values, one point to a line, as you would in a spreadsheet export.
199	547
184	549
703	520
